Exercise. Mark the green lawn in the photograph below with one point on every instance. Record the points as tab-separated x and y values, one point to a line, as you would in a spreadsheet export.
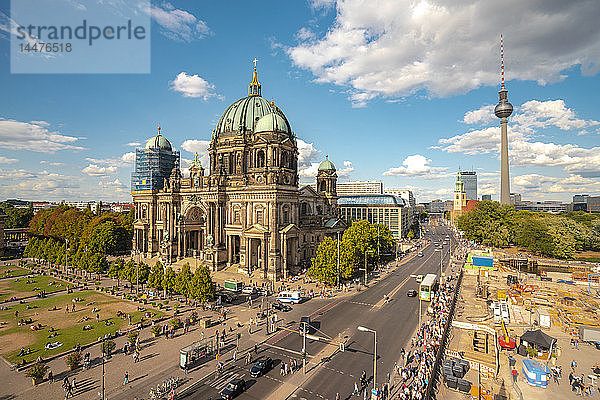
69	325
7	271
20	288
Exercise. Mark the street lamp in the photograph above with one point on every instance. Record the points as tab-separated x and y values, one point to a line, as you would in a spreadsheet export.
338	260
367	252
66	250
374	332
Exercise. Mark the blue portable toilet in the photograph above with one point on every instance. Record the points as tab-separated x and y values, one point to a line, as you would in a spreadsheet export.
536	373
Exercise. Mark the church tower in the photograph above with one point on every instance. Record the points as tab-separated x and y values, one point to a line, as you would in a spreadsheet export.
460	196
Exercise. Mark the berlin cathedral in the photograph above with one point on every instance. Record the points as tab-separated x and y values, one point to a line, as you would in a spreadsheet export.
248	210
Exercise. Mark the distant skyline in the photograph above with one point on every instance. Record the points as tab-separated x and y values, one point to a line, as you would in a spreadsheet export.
402	92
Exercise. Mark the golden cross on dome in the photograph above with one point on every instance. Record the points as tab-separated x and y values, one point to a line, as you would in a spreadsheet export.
255	61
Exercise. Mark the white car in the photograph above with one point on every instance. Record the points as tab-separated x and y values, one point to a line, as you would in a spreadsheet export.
248	290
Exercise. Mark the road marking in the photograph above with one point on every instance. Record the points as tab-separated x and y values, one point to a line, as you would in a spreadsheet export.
360	303
220	383
287	350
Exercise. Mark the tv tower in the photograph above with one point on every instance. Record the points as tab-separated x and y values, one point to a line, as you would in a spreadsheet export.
503	110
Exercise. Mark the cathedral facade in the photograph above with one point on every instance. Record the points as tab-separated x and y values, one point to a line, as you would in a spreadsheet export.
247	210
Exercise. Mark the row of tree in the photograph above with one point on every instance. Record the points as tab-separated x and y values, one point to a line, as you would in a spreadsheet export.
16	217
197	285
560	236
90	237
361	241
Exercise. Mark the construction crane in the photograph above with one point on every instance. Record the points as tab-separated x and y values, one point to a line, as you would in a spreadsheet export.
506	342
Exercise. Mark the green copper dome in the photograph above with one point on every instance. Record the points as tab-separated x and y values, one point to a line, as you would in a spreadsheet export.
326	165
272	122
158	141
244	114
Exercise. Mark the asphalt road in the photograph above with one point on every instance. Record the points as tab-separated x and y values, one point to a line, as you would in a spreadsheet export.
394	321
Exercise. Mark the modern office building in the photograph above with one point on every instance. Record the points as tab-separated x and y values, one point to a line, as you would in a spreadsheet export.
406	194
469	179
593	204
359	187
386	209
515	198
581	198
552	207
486	197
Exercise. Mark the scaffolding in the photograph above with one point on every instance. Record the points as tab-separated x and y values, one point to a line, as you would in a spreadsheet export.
152	166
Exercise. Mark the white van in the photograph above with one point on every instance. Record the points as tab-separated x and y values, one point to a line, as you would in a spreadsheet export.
289	297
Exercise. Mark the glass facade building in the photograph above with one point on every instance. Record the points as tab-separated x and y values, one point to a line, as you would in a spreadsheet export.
152	166
385	209
469	178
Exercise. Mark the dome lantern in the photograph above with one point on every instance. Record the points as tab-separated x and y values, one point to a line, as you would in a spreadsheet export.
158	141
254	87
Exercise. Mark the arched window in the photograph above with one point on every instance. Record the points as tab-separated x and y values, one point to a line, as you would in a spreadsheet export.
304	209
319	210
232	163
260	159
286	215
284	159
322	186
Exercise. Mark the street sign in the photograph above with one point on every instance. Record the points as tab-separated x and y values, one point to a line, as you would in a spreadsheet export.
374	394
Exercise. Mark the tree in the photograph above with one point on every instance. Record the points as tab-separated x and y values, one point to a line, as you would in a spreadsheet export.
116	268
143	273
203	287
324	265
37	372
169	280
183	281
156	277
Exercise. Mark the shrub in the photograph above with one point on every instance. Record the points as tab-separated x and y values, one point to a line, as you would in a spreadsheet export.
73	360
156	329
132	337
531	352
37	372
176	323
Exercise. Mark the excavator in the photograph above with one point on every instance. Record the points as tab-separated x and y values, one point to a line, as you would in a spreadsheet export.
505	341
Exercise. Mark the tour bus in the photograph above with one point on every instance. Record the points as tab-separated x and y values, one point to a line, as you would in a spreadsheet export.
427	287
289	297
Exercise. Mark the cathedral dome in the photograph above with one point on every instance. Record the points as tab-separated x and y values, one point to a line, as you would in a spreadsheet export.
244	114
272	122
326	165
158	141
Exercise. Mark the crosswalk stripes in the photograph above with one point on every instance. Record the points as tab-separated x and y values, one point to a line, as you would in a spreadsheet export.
222	381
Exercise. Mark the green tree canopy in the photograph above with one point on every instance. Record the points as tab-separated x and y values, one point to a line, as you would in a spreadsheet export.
202	287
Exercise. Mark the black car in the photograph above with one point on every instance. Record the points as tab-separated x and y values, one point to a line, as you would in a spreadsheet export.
411	293
281	307
261	367
233	388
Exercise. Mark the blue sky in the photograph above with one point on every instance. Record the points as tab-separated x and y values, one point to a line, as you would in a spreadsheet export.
390	90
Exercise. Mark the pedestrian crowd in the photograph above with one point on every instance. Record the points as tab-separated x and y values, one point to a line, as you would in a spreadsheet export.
418	362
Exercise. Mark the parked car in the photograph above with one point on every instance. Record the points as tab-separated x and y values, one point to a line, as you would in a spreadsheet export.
281	307
233	389
261	367
420	254
411	293
248	290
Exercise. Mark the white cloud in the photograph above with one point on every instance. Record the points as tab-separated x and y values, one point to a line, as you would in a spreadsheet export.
30	185
196	146
347	170
305	34
394	48
193	86
178	24
133	144
308	159
5	160
96	170
54	164
539	186
113	186
524	150
128	158
33	136
416	165
483	115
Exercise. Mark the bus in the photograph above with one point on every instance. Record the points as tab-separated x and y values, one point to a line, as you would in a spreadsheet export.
427	287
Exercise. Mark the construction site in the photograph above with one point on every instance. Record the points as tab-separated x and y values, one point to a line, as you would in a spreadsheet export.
522	327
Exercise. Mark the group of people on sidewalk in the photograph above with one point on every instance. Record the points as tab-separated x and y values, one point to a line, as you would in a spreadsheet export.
418	362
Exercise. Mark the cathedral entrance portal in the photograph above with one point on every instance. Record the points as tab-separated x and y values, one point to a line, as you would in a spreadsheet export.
234	249
256	257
